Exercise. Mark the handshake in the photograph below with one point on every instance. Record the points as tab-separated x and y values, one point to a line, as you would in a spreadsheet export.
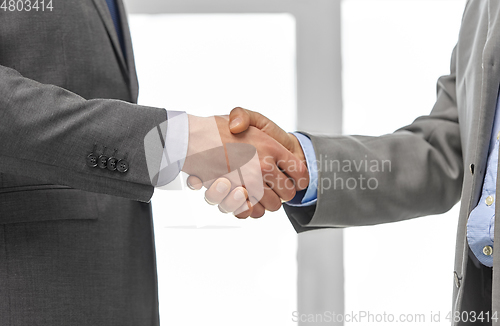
247	163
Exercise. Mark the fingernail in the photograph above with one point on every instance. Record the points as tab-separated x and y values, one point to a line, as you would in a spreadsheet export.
222	187
235	123
209	202
193	186
239	195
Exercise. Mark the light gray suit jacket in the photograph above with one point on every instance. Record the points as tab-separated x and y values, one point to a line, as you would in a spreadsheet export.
76	243
427	158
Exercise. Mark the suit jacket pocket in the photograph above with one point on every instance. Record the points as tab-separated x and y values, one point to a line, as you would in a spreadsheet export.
46	203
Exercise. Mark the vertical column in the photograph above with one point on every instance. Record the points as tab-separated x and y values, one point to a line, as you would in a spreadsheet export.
319	95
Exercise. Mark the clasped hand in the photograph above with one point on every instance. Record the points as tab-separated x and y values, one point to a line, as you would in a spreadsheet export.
247	163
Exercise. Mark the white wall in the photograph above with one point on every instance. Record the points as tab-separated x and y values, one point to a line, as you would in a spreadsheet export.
393	53
214	269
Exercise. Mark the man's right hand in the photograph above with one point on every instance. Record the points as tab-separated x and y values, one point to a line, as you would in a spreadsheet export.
241	119
249	189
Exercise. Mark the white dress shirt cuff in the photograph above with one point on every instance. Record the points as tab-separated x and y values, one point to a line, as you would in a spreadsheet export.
176	145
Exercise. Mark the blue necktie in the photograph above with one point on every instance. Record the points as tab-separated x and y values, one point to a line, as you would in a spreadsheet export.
116	21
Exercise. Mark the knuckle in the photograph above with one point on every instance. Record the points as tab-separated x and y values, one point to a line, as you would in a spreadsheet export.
303	170
270	146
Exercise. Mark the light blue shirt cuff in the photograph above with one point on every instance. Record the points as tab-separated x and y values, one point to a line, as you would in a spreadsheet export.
308	196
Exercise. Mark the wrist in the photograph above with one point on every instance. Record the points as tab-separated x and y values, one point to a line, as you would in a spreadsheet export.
203	136
297	149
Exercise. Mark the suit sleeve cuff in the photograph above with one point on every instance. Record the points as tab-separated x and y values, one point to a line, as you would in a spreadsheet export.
308	196
176	135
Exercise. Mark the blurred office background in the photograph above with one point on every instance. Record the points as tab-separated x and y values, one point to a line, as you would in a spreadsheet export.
206	57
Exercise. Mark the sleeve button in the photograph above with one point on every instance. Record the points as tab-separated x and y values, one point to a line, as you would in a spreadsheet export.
112	164
102	162
122	166
91	160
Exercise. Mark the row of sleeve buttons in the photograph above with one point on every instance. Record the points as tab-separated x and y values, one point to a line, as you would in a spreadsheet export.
102	161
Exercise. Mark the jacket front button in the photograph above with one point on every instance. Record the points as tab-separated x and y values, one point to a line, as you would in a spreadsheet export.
471	168
457	280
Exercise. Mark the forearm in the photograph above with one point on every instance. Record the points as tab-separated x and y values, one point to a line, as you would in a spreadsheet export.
415	171
47	133
372	180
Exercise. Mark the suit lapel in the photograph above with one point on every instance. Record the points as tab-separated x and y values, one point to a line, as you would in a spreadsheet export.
134	85
103	10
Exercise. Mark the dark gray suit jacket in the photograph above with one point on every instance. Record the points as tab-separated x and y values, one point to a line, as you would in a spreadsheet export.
76	243
427	158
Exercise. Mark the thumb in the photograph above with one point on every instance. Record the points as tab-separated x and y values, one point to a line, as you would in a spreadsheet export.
239	120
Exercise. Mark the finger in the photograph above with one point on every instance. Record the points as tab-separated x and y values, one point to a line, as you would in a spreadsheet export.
270	201
258	211
194	183
293	167
218	191
234	200
240	119
279	182
244	210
